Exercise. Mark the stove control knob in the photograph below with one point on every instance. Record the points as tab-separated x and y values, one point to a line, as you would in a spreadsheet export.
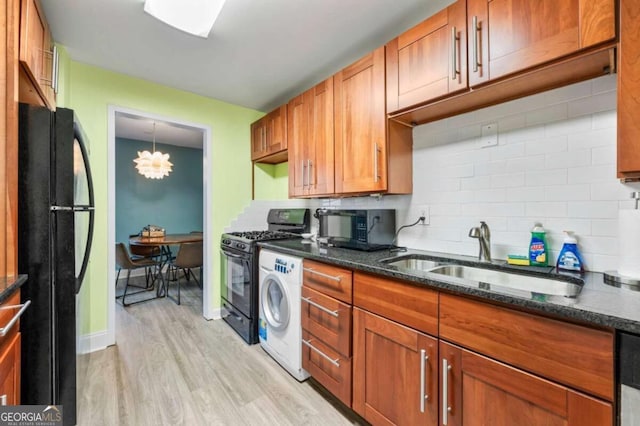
241	246
226	241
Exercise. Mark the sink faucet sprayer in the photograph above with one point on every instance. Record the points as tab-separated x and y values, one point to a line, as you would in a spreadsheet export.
483	235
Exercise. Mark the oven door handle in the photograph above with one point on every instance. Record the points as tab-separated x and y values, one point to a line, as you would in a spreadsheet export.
237	256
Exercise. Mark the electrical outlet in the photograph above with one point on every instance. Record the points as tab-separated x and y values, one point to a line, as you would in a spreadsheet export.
489	136
424	212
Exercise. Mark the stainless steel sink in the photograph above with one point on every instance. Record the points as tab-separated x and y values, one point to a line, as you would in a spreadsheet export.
413	263
488	279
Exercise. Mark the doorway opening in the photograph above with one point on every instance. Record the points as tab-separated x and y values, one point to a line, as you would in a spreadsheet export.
180	205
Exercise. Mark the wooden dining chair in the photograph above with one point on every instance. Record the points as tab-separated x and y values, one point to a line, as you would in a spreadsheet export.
188	258
125	261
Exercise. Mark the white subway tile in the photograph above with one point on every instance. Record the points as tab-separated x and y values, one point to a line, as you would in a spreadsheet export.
515	239
533	193
580	227
599	245
546	145
567	93
508	180
605	101
605	119
591	174
455	122
568	127
609	190
444	234
465	157
605	83
511	122
568	192
458	171
547	114
603	155
524	134
530	162
496	209
491	195
476	182
593	209
603	262
546	177
444	209
490	167
563	160
591	139
503	152
520	224
546	209
457	222
438	184
604	227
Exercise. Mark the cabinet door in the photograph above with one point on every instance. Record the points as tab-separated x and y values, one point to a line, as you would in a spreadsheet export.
360	126
476	390
322	157
276	130
258	139
395	372
299	141
507	36
429	60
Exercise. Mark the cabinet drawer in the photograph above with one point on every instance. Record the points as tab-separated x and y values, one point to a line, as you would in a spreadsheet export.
571	354
410	305
330	280
328	319
328	367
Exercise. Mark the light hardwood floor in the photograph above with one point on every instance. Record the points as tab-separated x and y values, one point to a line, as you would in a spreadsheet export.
172	367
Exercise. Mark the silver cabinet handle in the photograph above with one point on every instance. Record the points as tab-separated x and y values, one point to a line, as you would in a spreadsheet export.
423	380
454	53
322	354
3	399
55	70
322	308
303	174
446	408
309	164
330	277
375	163
475	29
23	307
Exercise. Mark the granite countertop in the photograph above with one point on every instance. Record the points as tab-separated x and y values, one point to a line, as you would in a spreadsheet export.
9	285
597	303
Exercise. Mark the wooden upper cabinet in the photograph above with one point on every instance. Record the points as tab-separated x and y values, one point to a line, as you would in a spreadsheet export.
269	137
37	56
310	137
395	372
476	391
429	60
628	89
371	155
507	36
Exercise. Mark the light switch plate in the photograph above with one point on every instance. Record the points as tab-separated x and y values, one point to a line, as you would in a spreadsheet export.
489	135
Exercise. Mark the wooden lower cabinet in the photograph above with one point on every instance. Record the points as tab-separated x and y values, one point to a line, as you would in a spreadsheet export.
476	390
10	372
395	372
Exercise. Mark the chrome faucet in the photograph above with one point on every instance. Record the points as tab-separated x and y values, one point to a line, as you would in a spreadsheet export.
483	235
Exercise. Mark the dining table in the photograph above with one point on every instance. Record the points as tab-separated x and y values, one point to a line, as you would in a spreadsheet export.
164	243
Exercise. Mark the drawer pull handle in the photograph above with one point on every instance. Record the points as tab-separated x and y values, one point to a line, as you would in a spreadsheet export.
330	277
446	408
423	395
3	400
322	308
322	354
23	307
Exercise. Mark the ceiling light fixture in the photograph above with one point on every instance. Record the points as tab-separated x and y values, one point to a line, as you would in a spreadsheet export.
153	166
195	17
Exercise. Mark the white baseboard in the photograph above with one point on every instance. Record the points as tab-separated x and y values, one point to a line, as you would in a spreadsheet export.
216	314
93	342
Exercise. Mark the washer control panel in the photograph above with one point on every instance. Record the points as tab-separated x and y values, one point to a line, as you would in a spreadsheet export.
282	266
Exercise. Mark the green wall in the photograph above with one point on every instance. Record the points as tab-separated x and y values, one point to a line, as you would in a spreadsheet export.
271	181
89	91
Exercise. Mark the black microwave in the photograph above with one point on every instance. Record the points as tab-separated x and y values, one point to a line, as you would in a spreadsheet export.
357	229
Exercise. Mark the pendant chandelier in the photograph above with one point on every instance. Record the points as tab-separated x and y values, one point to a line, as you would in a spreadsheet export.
153	166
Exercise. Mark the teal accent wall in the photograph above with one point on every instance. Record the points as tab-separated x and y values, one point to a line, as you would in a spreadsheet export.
174	202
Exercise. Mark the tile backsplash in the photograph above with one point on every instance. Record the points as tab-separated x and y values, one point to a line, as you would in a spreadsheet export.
554	163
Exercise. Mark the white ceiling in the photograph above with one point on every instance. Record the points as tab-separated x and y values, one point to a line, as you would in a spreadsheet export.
141	128
260	53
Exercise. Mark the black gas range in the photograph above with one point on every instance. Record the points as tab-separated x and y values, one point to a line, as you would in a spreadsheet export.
240	267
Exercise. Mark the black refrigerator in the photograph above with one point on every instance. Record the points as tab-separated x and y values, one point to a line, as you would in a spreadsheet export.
55	229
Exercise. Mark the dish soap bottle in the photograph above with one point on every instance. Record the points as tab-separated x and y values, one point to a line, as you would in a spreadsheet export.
538	246
570	259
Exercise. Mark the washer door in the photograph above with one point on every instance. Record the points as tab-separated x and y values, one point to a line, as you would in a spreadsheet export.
275	303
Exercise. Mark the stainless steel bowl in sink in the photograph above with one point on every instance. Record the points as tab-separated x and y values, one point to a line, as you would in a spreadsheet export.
413	263
488	278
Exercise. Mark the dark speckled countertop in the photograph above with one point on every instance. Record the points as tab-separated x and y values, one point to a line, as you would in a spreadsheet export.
597	303
9	286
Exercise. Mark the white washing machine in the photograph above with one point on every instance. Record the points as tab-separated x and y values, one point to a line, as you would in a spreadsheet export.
279	328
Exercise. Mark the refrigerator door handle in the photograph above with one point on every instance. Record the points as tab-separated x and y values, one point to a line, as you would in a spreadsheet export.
71	209
23	307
